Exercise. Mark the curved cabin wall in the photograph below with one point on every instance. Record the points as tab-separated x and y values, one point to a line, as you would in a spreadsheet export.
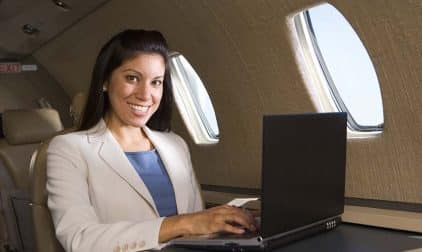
243	52
23	91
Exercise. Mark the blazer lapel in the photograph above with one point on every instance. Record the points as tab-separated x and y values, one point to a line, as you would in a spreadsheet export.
111	152
174	166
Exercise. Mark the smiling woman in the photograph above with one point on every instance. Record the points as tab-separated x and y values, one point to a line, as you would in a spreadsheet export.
135	90
124	180
131	57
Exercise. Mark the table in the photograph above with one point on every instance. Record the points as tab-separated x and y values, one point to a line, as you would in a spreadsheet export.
350	238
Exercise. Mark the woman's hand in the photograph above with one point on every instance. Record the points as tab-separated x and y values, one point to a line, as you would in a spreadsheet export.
223	218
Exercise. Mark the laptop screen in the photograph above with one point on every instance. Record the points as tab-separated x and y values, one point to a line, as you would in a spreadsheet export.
303	170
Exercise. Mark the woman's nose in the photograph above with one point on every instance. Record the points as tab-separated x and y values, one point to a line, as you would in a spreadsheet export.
143	91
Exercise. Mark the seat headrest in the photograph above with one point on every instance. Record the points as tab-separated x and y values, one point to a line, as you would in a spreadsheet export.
77	108
26	126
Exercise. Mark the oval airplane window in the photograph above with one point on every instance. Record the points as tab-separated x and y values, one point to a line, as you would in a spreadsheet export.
193	101
345	66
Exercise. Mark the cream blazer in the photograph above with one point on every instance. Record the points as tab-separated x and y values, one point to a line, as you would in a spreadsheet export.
98	201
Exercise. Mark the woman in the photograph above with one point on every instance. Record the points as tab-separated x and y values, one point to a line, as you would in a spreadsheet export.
124	181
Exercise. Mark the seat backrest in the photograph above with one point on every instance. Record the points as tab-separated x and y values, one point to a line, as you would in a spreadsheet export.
77	108
44	232
24	130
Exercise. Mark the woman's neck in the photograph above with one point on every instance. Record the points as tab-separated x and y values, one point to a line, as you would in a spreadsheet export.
130	138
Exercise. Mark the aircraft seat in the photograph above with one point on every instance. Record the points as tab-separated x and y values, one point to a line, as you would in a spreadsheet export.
44	232
77	108
24	129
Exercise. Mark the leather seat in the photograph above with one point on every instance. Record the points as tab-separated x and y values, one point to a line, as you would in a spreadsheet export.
24	129
44	231
77	108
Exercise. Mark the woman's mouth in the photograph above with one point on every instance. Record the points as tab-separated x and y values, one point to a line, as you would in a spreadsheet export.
139	108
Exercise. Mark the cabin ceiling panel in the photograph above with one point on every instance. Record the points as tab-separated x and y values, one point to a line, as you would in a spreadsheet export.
48	18
243	52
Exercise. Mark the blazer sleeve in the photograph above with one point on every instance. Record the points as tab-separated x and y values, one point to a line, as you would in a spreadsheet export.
78	228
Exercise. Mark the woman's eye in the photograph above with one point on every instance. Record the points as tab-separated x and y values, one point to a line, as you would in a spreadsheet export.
132	78
157	82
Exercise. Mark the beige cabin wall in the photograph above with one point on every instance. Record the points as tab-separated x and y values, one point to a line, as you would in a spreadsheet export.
23	90
243	52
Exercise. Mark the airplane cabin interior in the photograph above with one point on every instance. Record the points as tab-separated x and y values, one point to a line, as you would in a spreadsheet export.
231	63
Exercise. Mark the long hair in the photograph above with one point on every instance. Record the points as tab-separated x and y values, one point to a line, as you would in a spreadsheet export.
124	46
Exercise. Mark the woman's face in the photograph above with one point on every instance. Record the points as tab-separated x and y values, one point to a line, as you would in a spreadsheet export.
135	90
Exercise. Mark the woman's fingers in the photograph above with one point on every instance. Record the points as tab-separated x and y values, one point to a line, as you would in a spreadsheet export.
239	217
223	218
239	220
232	229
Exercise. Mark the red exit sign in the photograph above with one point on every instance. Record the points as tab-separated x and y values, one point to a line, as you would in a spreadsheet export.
16	67
10	67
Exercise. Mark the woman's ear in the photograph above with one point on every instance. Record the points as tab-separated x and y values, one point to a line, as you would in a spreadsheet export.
105	86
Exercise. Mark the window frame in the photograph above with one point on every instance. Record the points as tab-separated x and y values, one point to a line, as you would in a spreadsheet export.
329	99
193	116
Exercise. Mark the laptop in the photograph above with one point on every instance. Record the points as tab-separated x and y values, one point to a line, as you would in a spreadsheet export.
303	181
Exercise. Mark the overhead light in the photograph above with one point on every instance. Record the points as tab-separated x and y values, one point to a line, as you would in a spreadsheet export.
30	29
61	4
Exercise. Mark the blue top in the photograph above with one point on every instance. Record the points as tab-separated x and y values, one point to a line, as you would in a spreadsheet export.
151	169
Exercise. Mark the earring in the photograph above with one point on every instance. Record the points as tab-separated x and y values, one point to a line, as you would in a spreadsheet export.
104	89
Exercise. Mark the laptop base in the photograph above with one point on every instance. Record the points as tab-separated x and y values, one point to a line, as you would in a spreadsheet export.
238	245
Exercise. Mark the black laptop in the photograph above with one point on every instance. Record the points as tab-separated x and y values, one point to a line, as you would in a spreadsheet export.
303	180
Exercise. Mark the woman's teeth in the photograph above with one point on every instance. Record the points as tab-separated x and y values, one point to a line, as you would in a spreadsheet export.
139	107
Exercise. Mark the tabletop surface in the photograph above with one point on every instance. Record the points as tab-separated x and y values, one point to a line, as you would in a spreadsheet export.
351	237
